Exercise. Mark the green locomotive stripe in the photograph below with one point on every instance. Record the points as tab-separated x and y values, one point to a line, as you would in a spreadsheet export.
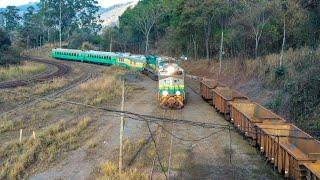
168	86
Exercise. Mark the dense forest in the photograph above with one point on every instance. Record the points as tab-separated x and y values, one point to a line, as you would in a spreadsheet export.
49	22
199	28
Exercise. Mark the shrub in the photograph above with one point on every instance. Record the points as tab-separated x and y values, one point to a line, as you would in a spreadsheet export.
280	71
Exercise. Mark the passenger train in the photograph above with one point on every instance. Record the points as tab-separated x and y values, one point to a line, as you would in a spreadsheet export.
171	91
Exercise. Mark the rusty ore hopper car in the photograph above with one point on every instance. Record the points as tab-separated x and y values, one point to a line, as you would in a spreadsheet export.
313	170
222	96
206	87
245	115
288	148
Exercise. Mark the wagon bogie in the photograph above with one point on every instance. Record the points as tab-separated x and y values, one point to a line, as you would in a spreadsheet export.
312	170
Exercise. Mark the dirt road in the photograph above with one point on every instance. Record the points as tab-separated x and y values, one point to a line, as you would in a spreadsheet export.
215	157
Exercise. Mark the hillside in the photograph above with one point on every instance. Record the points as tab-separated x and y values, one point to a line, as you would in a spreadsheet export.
110	15
293	92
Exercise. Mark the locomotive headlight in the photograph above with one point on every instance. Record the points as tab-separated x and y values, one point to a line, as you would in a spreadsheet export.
165	93
178	93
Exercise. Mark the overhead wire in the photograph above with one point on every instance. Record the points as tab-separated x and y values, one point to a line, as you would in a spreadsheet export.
156	150
189	140
154	119
145	117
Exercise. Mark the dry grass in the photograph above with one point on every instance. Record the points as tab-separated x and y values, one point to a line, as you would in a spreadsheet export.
20	158
103	90
24	93
20	71
50	86
261	68
110	171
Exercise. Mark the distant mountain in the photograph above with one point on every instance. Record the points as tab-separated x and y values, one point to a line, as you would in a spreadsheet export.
110	15
23	8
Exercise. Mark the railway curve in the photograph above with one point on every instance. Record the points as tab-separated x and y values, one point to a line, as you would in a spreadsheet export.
62	70
88	74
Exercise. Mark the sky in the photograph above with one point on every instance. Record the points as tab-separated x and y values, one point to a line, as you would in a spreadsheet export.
102	3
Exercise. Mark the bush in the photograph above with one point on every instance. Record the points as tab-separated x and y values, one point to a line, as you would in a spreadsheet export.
280	72
77	41
8	55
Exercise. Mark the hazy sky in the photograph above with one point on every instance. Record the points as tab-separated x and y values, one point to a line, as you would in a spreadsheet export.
103	3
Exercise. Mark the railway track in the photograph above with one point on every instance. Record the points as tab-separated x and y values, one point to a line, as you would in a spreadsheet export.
33	99
62	70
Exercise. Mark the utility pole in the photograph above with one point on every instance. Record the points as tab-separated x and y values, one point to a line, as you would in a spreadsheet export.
121	130
110	44
60	24
283	40
221	50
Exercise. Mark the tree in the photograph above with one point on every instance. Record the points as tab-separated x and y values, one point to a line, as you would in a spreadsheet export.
313	8
87	16
11	18
1	21
4	40
31	27
255	17
146	16
284	5
75	16
8	54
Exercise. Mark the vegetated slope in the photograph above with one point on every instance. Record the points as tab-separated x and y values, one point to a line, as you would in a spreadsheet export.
291	91
110	15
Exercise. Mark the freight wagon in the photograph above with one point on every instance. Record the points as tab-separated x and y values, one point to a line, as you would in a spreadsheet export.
222	96
245	116
206	87
287	148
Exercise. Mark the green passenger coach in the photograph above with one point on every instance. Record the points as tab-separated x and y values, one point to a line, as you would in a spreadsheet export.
135	62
